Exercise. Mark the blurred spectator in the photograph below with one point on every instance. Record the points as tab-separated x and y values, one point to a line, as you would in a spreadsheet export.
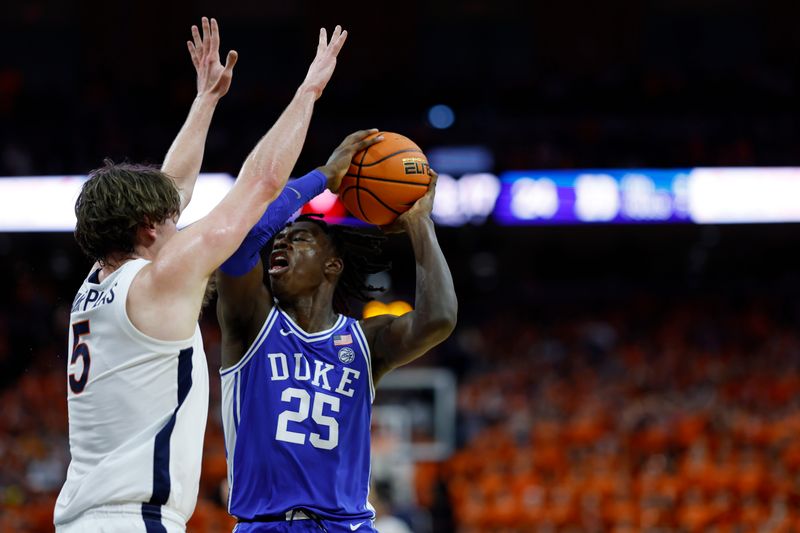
684	421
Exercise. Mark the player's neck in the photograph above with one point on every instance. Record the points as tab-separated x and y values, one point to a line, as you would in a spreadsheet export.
313	313
114	261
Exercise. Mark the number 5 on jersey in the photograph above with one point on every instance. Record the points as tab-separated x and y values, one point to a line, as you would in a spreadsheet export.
320	399
80	350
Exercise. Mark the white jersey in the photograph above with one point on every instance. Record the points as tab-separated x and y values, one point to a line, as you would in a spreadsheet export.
137	410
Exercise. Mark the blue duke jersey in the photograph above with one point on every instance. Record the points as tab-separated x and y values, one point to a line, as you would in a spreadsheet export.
296	412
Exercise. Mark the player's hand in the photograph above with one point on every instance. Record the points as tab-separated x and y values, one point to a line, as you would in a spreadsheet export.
324	63
340	159
421	210
213	78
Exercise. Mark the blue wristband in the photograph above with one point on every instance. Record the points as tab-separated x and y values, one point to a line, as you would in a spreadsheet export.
293	197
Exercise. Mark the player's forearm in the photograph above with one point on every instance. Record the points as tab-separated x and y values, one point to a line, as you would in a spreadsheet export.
276	153
263	176
292	198
436	306
185	156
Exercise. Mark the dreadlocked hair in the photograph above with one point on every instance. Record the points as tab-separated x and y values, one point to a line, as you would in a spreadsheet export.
360	252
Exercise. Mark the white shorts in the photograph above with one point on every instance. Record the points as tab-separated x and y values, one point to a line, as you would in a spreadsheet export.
121	519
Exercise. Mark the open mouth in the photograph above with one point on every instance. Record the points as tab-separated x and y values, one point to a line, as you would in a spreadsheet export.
278	263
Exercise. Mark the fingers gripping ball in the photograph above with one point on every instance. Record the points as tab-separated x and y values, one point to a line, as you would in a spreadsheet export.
385	180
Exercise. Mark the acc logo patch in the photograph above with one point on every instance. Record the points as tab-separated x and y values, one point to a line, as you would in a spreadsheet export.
347	355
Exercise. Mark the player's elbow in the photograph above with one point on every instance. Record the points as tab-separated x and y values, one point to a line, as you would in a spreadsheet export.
449	323
221	235
443	325
449	315
266	180
265	189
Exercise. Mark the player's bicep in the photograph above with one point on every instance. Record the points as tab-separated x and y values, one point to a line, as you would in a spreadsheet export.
393	342
198	250
190	256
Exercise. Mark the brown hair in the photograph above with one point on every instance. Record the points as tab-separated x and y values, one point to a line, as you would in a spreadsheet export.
115	201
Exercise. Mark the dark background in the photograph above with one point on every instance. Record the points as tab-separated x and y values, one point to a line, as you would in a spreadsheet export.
567	84
544	84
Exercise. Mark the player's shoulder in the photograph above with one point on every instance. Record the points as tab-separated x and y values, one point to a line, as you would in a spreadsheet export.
158	309
370	326
140	275
375	321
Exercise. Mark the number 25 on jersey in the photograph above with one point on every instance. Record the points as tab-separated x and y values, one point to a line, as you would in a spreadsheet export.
320	400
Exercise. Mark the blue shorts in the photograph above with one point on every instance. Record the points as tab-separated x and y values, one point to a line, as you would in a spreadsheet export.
307	526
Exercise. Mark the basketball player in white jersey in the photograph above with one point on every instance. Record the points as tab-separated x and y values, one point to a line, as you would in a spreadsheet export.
137	376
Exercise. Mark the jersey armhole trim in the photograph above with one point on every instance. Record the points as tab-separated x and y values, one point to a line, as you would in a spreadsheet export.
132	331
362	342
272	317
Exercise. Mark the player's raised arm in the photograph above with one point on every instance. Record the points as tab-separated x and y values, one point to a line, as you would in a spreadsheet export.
185	156
274	156
244	300
176	279
396	341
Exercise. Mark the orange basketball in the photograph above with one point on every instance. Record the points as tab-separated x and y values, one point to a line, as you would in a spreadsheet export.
385	180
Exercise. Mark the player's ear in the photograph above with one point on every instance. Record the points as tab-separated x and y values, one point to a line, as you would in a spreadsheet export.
146	234
334	266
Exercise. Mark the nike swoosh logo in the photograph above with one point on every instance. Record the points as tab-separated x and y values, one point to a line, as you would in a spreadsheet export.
295	191
286	334
353	527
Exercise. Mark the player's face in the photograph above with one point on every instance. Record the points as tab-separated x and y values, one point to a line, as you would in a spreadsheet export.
298	259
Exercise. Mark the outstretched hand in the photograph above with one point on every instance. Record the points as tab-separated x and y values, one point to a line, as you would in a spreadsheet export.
340	159
213	78
421	209
321	69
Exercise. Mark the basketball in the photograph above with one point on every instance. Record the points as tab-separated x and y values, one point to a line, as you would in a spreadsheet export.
385	180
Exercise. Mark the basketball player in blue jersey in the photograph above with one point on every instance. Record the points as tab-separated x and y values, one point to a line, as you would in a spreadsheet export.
137	376
298	374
